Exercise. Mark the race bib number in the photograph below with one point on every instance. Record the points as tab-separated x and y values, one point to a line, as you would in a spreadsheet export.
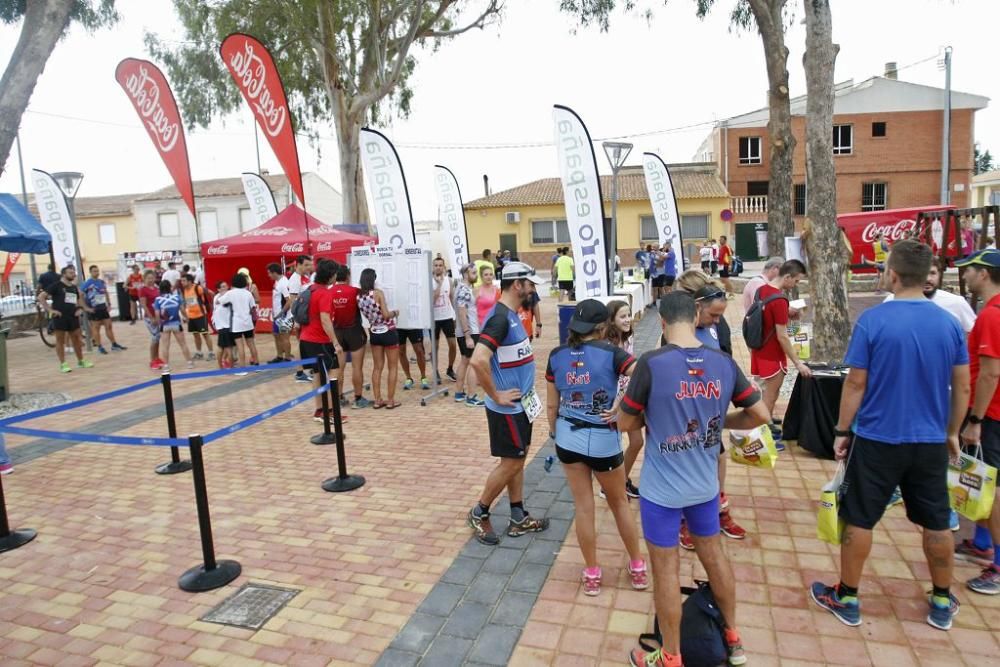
532	405
191	301
100	299
380	329
71	298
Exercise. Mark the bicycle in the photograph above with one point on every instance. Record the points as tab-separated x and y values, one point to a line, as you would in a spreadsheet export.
44	324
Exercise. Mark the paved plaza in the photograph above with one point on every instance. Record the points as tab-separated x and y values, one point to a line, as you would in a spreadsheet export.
388	574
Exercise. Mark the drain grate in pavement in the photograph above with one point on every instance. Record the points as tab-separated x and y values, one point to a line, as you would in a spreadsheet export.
251	606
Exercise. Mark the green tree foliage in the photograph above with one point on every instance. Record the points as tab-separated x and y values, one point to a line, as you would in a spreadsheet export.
983	160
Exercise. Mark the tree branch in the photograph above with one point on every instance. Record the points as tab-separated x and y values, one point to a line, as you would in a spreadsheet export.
491	10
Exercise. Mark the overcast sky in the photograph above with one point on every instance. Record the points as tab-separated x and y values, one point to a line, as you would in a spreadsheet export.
496	87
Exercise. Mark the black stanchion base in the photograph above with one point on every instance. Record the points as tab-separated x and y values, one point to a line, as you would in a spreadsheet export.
17	538
324	439
198	579
173	467
341	484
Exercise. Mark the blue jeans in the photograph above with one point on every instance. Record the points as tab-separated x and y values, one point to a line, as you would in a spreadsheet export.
4	457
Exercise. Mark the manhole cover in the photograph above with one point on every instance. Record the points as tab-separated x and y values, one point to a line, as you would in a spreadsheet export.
251	606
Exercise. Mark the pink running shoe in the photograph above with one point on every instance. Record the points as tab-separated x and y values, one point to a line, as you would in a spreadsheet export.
638	575
591	582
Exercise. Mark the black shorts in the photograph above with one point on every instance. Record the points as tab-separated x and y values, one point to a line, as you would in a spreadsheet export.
447	327
464	349
100	314
226	339
990	440
198	325
322	351
668	281
390	338
65	323
415	336
659	281
875	469
134	298
715	267
595	463
353	338
566	285
510	435
243	334
706	266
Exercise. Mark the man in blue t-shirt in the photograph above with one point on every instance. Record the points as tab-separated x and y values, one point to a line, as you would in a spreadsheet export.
95	295
682	392
904	400
505	367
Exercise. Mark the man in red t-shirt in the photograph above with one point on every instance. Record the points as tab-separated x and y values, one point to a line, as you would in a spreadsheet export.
350	334
317	338
982	425
770	362
725	263
134	283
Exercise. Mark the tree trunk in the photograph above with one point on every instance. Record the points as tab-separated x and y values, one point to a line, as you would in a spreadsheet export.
44	23
770	24
351	175
824	245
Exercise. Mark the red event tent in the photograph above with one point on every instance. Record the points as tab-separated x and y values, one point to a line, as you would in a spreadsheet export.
283	236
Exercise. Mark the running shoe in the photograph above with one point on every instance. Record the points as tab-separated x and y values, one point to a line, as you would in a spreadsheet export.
100	348
639	576
301	376
484	529
953	522
166	367
6	468
451	375
685	537
987	583
528	524
408	384
115	347
460	396
425	384
779	445
198	356
210	357
734	648
474	401
969	552
64	367
730	527
360	403
657	658
848	613
895	499
318	415
723	501
591	582
940	616
953	607
190	364
155	364
631	490
344	402
775	432
276	360
85	363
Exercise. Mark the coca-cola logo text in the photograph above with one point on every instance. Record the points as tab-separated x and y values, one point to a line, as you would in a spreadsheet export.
324	246
292	247
145	94
269	231
218	249
251	73
891	231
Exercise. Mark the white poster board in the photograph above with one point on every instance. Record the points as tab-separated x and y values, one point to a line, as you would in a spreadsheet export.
404	275
793	249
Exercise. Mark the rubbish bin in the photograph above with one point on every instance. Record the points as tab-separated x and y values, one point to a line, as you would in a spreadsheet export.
4	375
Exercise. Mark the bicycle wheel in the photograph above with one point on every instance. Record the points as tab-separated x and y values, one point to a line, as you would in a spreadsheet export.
43	327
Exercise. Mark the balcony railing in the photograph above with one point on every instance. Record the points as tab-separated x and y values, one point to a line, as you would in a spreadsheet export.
752	204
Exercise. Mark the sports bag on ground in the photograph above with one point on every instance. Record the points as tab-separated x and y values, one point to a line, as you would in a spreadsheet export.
703	638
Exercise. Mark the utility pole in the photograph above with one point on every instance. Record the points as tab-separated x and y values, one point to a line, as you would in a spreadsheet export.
946	138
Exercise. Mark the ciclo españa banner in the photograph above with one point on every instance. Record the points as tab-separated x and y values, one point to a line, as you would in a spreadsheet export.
661	196
452	216
153	100
253	70
387	185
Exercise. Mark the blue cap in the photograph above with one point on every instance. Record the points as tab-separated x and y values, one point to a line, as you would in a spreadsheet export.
985	257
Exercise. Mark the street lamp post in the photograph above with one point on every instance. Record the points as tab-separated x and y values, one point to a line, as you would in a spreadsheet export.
69	182
617	153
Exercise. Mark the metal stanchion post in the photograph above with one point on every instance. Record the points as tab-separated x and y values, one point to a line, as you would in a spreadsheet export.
211	574
343	481
11	539
326	437
174	465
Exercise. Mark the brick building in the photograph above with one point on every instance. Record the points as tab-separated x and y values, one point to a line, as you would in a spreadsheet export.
887	143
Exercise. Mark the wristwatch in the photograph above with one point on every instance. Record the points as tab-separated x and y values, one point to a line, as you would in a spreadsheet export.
973	419
841	434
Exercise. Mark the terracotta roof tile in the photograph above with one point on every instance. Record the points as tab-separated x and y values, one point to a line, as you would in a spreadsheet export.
691	181
87	207
214	187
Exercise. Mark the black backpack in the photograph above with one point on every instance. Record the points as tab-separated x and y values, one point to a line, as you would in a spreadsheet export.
703	637
736	266
753	323
300	309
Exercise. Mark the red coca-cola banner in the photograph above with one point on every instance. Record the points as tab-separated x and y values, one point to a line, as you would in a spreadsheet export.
255	75
863	228
153	100
12	258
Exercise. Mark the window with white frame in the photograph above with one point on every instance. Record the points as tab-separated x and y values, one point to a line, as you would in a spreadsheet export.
694	226
106	233
549	231
247	221
208	223
168	224
873	196
647	229
843	139
750	150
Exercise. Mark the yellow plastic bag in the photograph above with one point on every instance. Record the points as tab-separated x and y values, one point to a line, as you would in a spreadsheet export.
753	448
829	525
972	486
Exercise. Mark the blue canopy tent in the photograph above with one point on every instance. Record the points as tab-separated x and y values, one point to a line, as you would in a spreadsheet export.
19	230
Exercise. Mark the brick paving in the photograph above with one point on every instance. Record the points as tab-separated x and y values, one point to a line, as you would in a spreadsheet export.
98	585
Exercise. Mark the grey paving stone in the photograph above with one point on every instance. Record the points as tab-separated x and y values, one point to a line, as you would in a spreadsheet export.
442	599
393	658
565	495
447	652
542	551
495	645
529	578
513	609
487	587
551	483
557	530
561	510
462	571
473	549
517	543
418	633
467	621
540	499
503	561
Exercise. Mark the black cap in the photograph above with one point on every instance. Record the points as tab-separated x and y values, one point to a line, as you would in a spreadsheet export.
589	313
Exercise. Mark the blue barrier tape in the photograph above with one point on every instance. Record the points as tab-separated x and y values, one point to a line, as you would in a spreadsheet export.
94	437
267	414
79	403
243	369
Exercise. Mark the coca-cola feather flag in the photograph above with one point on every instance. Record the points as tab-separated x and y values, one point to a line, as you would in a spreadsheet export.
253	70
153	100
12	258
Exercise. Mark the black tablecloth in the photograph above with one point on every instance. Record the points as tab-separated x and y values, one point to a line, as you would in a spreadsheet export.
812	413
